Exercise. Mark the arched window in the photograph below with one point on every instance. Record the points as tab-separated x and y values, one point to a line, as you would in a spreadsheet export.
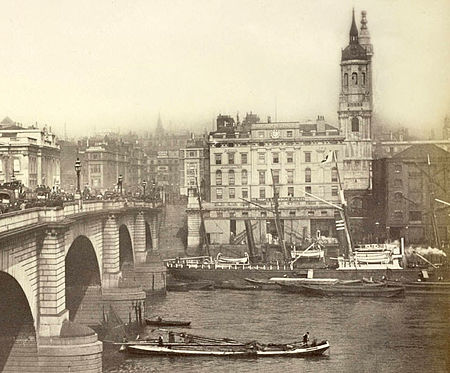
218	177
354	78
231	178
308	175
363	78
345	80
355	124
244	177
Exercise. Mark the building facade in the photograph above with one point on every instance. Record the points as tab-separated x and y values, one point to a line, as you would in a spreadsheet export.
247	163
406	186
29	154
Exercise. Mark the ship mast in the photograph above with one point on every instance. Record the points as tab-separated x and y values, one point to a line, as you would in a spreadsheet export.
277	220
437	239
202	220
343	212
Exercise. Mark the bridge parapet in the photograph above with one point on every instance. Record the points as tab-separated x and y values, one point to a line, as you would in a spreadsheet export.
22	218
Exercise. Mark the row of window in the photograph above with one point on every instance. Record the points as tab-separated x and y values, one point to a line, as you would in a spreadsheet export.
263	214
262	192
275	176
276	157
362	81
413	215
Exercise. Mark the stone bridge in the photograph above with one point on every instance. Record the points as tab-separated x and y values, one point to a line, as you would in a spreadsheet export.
61	269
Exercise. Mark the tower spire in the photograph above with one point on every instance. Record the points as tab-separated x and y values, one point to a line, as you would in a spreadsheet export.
353	30
364	36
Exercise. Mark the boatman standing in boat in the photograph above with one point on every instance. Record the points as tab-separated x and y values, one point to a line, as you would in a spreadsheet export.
306	338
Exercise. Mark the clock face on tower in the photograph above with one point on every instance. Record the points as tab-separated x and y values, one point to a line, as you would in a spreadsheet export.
275	134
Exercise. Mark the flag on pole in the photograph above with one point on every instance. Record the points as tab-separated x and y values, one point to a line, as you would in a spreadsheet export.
328	158
340	226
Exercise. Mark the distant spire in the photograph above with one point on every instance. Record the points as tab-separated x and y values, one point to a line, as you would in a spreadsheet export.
353	30
159	126
364	36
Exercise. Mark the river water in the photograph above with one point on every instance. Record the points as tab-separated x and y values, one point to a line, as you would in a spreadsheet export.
410	334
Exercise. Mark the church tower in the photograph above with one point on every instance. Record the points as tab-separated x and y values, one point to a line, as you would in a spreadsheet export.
355	108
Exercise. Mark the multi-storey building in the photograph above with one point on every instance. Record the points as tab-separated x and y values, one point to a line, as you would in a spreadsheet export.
195	168
405	187
248	162
29	154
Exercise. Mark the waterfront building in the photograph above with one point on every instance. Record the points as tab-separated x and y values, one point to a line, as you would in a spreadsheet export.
29	154
195	160
405	188
248	162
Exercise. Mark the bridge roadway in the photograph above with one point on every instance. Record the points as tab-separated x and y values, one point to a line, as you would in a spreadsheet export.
61	268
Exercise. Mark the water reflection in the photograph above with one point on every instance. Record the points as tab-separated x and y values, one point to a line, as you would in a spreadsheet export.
366	335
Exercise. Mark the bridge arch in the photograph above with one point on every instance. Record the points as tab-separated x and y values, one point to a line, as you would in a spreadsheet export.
17	323
82	271
126	252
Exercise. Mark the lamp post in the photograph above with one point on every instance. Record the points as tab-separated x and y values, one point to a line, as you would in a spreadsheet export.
144	184
78	170
120	180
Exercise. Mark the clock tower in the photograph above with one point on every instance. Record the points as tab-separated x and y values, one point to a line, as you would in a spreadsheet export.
355	108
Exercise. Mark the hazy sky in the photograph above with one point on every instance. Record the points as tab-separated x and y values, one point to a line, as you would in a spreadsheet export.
110	64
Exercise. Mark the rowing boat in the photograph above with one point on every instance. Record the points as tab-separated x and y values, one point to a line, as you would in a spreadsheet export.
160	322
345	290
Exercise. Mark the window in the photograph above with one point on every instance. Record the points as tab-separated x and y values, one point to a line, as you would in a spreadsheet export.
192	153
292	213
355	124
230	158
334	175
245	193
232	193
16	165
307	157
244	213
345	80
310	213
218	177
275	158
244	177
398	183
415	216
276	176
263	213
261	158
354	78
397	168
262	177
363	78
290	192
308	175
244	158
398	196
308	189
231	178
218	158
289	133
262	192
334	191
260	133
290	157
398	215
324	212
219	193
290	176
95	169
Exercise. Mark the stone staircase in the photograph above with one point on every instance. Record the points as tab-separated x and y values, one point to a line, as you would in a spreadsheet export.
172	231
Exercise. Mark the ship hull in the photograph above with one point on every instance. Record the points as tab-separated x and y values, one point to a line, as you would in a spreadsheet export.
220	275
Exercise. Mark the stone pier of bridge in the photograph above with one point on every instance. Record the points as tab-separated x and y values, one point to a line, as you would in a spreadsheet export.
64	269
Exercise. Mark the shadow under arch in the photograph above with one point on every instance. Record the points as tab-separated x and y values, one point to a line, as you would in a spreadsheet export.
126	256
82	271
17	332
148	238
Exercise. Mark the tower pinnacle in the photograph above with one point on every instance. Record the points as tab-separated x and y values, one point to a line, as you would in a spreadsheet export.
353	30
364	36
